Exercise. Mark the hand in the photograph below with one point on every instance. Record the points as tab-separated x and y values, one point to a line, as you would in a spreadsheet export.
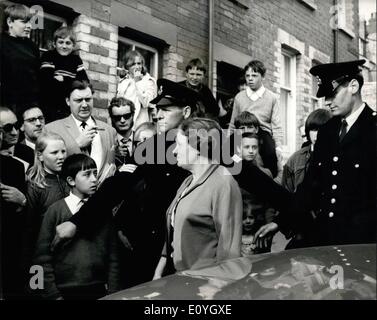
64	232
123	150
124	240
159	269
86	137
263	237
12	194
59	78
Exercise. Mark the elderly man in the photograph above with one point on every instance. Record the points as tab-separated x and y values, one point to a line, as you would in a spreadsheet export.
33	125
10	146
84	134
121	113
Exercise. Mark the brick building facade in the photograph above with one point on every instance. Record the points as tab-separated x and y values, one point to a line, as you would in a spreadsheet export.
289	36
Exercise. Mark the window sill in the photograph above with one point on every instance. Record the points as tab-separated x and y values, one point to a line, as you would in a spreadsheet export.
245	4
309	3
348	32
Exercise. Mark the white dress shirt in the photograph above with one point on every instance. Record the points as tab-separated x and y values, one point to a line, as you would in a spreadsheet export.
255	95
74	203
351	119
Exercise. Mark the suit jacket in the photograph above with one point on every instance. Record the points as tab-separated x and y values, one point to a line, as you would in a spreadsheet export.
340	186
68	130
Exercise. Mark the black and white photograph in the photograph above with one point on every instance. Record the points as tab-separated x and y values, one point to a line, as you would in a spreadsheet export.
187	155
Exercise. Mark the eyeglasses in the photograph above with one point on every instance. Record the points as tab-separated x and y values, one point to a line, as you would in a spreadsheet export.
126	116
34	120
9	126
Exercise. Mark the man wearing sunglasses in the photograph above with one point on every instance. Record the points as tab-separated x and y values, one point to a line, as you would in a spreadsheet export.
33	125
11	147
121	112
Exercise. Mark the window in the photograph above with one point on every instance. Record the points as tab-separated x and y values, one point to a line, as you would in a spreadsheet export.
44	38
288	101
228	77
316	102
150	55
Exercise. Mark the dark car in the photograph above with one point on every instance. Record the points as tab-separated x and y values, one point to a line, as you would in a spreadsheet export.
318	273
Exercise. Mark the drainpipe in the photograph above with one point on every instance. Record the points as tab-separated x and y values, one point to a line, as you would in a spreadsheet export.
211	12
336	35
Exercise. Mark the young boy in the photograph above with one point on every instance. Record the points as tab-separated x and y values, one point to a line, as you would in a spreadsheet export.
59	67
248	122
87	267
250	151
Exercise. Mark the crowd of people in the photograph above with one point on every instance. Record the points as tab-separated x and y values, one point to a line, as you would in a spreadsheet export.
103	207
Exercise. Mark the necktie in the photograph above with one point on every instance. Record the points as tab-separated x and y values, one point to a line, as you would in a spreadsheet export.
89	147
343	130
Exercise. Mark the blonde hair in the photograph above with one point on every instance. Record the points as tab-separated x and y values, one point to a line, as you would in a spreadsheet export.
37	174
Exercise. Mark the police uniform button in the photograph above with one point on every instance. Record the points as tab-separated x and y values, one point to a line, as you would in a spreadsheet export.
319	164
335	159
334	187
374	113
153	232
333	200
334	173
168	174
331	214
357	165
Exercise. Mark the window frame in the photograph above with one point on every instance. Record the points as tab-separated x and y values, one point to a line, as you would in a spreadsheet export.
154	70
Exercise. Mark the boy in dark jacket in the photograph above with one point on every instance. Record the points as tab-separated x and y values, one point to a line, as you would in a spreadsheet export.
87	267
59	68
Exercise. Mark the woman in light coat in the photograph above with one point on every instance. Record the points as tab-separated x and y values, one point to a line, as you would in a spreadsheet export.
204	221
138	86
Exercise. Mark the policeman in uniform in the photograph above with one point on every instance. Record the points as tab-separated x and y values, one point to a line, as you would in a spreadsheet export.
339	190
141	198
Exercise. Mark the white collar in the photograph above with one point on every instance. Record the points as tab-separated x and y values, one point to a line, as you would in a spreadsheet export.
89	121
255	95
73	202
351	119
30	144
130	138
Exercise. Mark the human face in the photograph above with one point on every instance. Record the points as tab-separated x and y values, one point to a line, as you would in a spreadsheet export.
249	148
19	28
85	183
185	153
195	76
64	46
169	118
136	67
9	119
53	156
253	79
122	119
34	123
313	136
340	103
81	103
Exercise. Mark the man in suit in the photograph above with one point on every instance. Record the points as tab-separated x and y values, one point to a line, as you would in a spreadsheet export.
84	134
33	123
336	203
11	147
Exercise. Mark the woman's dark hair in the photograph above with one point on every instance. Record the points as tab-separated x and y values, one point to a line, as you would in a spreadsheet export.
315	120
246	119
256	66
203	134
75	163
